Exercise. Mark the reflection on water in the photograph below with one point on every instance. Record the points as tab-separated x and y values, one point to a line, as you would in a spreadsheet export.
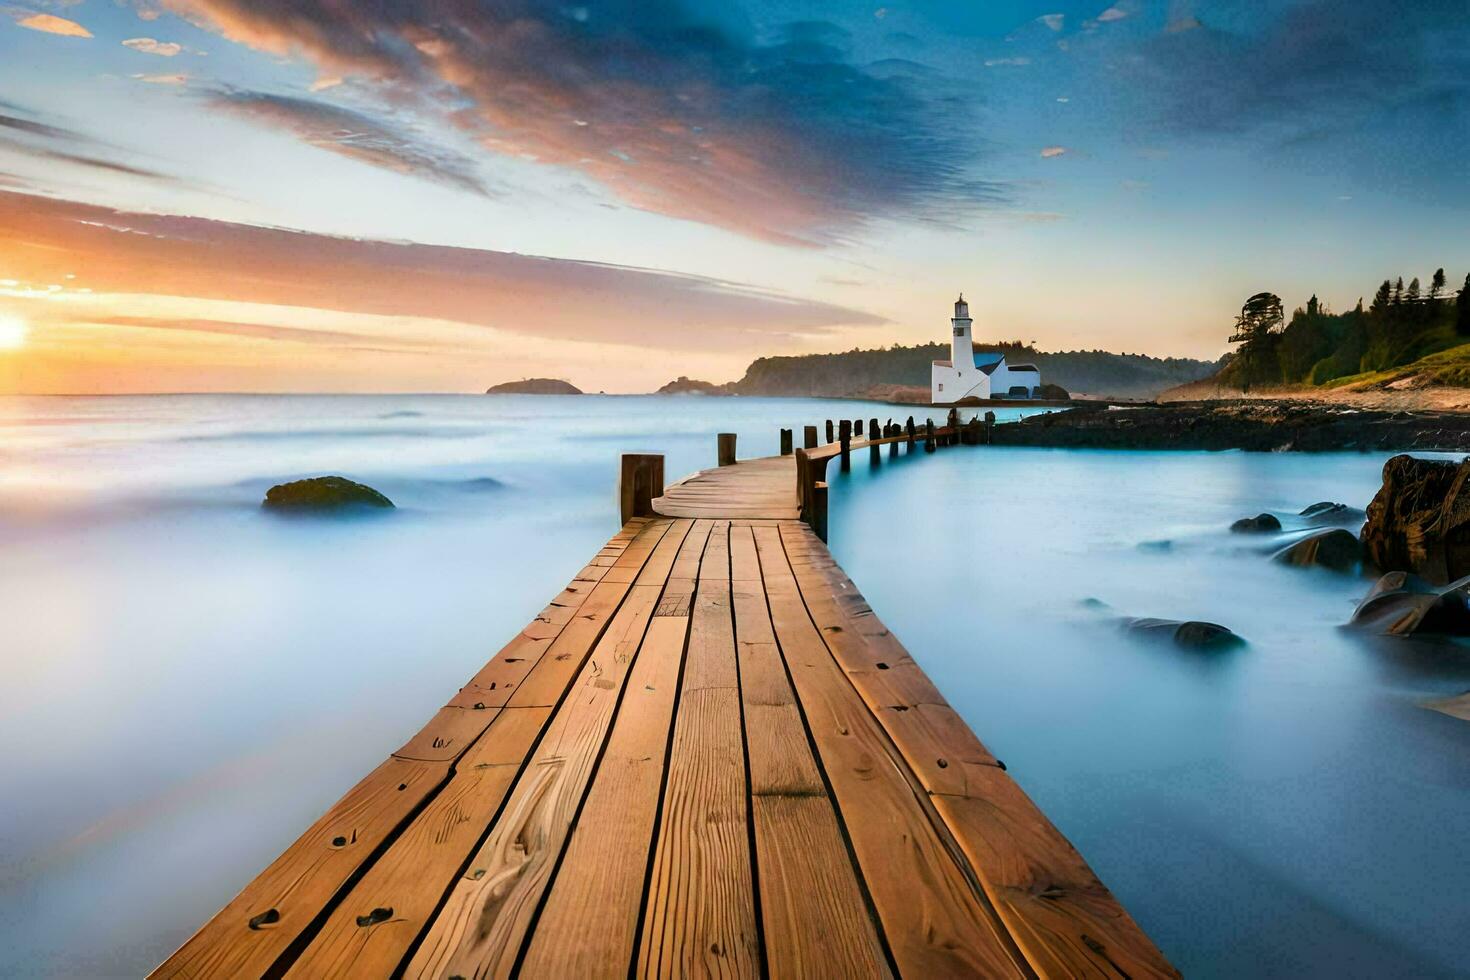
1280	809
188	681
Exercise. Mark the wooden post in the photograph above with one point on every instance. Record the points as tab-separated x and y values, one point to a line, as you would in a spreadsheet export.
875	451
830	438
909	430
809	436
929	446
785	442
726	448
989	427
891	431
857	427
641	480
819	509
844	437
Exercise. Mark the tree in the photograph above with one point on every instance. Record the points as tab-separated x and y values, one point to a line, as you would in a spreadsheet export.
1256	330
1398	291
1382	298
1436	286
1462	309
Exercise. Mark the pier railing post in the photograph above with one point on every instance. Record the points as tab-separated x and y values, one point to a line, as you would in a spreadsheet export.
929	446
844	437
909	431
830	437
891	431
819	510
641	480
809	437
785	442
874	450
989	427
857	427
727	448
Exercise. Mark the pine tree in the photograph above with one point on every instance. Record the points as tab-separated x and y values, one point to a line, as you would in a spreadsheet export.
1462	309
1436	285
1382	298
1398	291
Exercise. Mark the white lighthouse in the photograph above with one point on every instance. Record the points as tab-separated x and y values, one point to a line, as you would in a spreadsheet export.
971	376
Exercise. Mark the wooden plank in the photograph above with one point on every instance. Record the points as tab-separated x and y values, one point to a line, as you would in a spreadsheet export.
257	926
480	930
699	915
936	922
588	926
1064	919
815	918
290	895
371	931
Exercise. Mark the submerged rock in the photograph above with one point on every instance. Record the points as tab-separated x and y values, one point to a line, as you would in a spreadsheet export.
1402	604
1259	524
322	493
1458	707
1328	512
1336	549
1419	521
1191	634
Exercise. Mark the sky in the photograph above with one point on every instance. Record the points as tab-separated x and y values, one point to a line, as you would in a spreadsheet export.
317	195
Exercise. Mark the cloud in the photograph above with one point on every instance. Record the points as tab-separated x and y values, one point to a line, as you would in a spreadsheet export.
50	24
258	331
997	62
1053	21
549	299
1053	151
148	45
174	78
44	141
354	135
779	135
1111	14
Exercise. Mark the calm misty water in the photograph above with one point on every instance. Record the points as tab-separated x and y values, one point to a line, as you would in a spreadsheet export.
188	682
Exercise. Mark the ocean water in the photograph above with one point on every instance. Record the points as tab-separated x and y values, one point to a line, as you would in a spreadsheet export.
188	681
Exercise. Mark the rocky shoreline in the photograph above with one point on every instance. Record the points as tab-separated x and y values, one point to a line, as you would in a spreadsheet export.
1257	426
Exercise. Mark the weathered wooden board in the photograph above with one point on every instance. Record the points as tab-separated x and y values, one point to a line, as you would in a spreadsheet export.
935	921
589	925
699	916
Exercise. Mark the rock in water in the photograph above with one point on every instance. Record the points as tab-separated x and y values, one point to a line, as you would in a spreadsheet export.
1191	634
1420	519
1401	604
322	493
1256	525
535	386
1336	549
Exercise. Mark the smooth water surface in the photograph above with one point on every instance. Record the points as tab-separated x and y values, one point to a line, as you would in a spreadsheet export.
1283	809
189	681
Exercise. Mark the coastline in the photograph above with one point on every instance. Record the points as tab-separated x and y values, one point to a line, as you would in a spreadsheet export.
1253	425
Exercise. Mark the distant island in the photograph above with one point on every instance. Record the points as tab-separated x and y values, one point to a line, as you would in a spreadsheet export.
535	386
690	386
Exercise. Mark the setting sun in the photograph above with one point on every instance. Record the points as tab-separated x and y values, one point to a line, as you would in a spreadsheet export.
13	332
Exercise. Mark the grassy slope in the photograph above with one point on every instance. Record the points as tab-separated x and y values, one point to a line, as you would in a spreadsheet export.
1444	368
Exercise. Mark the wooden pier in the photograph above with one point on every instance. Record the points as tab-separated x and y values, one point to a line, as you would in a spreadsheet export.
705	757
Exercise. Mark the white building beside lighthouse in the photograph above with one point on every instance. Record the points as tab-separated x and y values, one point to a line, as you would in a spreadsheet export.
980	376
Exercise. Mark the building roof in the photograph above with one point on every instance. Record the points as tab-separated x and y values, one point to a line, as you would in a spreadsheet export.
1024	367
943	363
988	361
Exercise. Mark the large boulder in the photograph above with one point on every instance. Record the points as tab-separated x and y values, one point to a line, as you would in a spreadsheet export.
1190	634
1400	604
1336	549
1259	524
322	493
1328	512
1420	519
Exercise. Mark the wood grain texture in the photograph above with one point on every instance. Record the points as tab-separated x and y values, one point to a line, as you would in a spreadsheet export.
257	926
816	920
699	916
481	928
371	931
935	922
589	923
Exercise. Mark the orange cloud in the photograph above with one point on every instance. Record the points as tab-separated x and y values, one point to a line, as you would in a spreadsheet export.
51	24
43	240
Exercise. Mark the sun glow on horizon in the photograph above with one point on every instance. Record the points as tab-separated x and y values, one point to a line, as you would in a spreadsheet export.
13	332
